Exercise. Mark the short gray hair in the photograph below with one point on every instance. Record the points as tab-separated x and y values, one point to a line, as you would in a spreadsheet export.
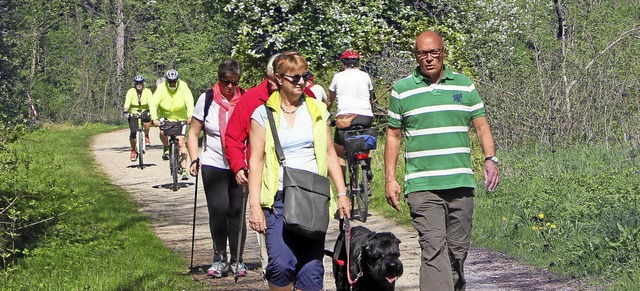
229	68
270	71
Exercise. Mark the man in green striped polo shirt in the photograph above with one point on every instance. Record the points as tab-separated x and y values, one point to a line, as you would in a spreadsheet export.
435	107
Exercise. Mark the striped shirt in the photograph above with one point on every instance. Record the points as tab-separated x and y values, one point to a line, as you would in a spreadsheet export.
435	118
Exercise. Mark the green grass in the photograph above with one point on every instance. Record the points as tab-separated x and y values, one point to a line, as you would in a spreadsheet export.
98	239
574	211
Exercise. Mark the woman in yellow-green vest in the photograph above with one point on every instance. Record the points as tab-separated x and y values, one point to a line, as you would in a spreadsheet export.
304	135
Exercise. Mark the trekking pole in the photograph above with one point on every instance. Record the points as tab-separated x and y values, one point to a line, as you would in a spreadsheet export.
245	194
195	201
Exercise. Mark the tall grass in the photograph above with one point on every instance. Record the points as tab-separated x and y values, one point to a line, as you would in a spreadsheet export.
573	210
98	240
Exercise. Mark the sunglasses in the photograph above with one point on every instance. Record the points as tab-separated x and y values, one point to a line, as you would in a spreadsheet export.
295	79
228	82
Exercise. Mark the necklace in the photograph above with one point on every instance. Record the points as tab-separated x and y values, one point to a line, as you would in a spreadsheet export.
288	112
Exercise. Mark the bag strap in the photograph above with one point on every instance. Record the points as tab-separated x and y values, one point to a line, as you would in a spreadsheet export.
208	99
276	139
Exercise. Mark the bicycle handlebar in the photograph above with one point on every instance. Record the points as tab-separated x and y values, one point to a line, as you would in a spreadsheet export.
137	114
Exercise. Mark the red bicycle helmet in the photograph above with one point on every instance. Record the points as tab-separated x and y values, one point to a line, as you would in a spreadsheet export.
350	54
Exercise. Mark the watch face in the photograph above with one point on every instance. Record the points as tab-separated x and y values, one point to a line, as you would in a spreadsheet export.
494	159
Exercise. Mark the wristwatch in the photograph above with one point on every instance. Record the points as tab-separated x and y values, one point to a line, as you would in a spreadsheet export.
492	158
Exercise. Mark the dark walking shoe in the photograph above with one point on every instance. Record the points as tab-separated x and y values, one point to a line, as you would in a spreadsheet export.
165	153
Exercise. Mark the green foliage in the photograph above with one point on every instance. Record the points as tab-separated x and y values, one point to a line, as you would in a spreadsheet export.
70	222
320	30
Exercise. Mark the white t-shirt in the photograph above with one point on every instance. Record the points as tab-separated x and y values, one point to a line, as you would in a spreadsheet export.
296	141
352	88
212	152
319	92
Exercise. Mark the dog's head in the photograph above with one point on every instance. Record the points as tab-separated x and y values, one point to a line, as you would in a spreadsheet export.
381	258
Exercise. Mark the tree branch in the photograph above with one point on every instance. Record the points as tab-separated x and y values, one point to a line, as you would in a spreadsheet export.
622	36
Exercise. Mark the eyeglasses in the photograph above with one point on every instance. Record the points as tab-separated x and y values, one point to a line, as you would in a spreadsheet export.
434	53
139	83
295	79
229	82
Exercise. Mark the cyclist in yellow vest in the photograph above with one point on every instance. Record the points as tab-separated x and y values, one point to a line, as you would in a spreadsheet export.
137	99
173	101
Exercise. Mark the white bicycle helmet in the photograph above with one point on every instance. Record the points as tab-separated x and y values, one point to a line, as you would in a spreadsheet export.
138	79
172	75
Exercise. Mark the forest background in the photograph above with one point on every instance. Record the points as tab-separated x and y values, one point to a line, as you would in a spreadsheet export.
555	76
550	71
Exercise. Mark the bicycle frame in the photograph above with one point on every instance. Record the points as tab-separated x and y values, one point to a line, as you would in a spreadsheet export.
174	148
359	164
140	144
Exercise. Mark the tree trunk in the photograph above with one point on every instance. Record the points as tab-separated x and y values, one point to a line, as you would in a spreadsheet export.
120	45
561	12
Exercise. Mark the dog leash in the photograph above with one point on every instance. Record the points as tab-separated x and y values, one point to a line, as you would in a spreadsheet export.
346	227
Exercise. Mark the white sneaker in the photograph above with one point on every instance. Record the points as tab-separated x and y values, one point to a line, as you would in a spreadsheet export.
218	269
241	269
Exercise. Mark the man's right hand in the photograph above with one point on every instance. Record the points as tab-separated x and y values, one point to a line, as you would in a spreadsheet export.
156	122
392	191
242	177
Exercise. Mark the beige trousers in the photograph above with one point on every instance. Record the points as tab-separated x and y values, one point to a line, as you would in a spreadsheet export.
443	220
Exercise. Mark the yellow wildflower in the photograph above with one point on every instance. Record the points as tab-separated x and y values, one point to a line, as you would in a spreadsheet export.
541	215
548	224
534	228
554	226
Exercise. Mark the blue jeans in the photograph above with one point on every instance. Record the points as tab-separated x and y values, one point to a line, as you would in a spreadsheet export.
292	258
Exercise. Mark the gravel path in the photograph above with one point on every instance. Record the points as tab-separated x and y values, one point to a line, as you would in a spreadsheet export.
171	214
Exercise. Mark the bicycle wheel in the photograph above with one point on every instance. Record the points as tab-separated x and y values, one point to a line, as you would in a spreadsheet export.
356	189
363	196
140	149
174	163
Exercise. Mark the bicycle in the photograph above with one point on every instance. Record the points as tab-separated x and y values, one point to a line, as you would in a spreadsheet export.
358	143
173	129
140	117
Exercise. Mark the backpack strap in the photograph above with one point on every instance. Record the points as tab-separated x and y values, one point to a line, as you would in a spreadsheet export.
208	99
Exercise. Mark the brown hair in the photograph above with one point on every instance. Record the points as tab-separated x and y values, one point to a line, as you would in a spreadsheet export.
289	61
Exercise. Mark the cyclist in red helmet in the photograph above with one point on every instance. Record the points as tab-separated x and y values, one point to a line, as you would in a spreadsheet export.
352	89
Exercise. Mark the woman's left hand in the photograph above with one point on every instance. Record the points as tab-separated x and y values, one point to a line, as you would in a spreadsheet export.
193	170
344	206
257	221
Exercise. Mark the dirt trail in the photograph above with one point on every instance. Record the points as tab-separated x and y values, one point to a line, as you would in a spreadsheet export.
171	214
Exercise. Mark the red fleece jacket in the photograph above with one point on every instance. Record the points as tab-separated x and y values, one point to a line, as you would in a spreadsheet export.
239	125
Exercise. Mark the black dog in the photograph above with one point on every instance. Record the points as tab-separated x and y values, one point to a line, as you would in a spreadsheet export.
374	262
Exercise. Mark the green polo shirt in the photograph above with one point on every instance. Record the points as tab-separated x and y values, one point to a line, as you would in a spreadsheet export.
435	118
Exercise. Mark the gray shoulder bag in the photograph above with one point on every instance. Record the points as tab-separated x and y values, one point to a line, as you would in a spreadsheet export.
306	195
